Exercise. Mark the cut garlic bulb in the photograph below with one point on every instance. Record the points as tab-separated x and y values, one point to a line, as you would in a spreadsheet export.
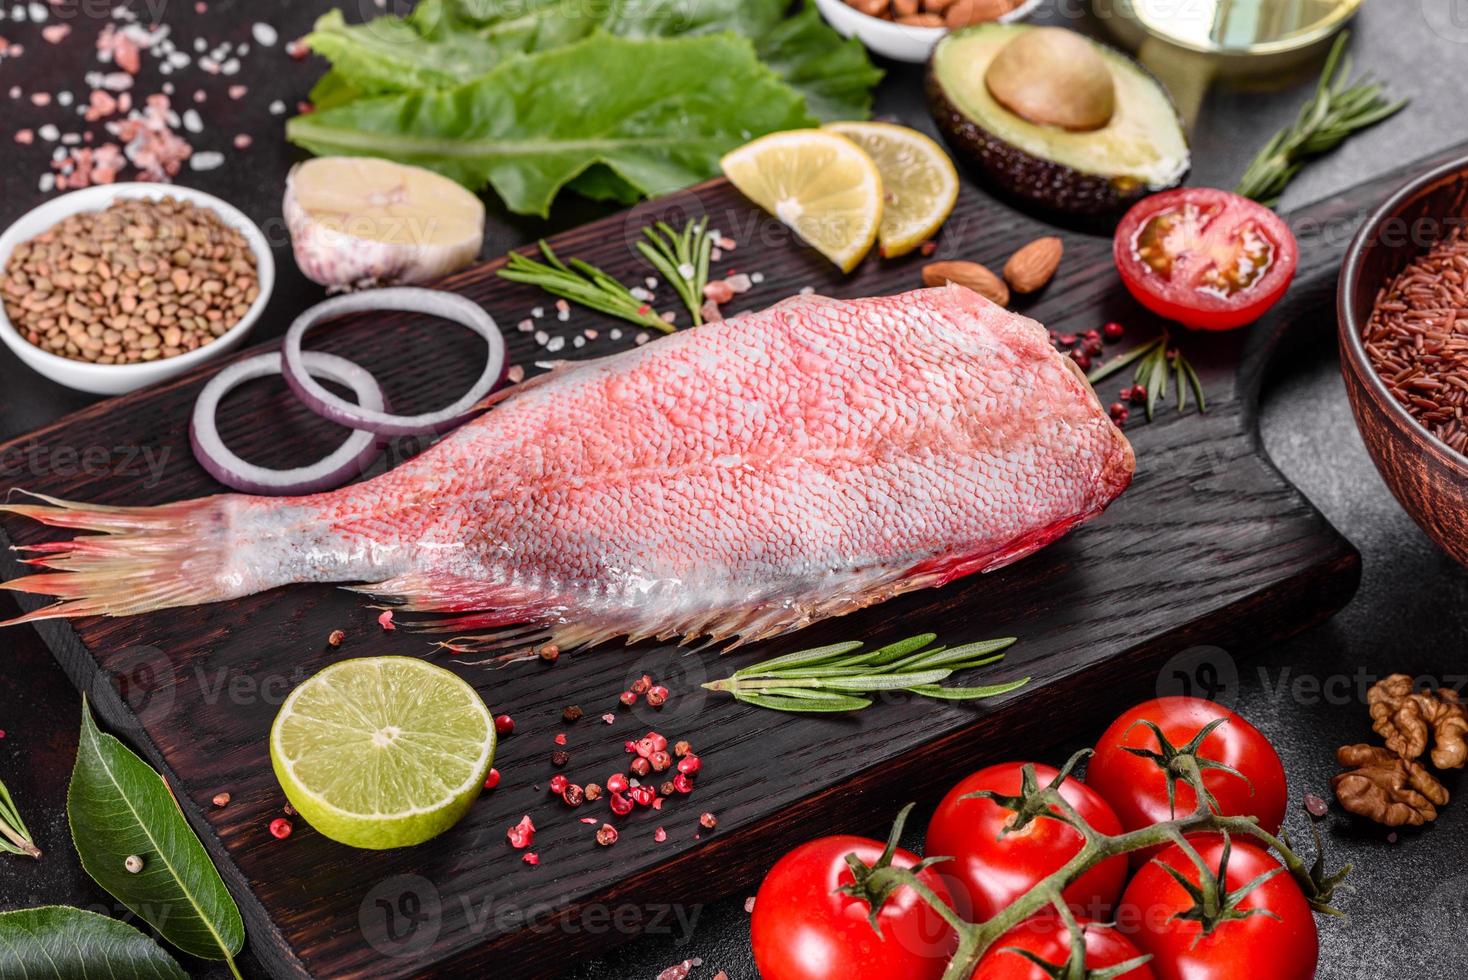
360	221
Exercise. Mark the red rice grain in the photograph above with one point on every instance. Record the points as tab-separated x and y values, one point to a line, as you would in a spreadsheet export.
1417	339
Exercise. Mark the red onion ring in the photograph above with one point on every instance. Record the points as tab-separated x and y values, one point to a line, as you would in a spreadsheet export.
350	459
449	306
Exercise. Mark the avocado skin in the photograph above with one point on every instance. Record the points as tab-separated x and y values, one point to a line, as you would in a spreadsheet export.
1051	186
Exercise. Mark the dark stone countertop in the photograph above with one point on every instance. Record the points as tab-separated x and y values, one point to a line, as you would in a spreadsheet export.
1409	908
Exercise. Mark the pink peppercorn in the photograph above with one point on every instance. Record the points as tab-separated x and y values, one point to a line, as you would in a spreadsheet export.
280	828
690	764
683	783
558	783
504	724
492	780
620	805
1113	331
616	783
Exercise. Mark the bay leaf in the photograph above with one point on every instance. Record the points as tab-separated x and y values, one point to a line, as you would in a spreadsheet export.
55	942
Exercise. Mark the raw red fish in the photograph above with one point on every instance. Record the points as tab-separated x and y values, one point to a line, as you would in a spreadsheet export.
735	481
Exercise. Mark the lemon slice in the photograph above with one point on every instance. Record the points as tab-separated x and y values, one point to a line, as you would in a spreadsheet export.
823	186
382	752
920	181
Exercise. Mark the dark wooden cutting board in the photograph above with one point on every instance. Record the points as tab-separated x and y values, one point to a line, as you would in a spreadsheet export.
1210	546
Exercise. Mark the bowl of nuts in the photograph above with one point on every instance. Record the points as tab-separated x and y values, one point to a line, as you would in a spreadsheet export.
116	287
906	30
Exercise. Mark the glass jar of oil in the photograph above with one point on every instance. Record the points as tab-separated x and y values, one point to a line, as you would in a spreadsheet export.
1241	38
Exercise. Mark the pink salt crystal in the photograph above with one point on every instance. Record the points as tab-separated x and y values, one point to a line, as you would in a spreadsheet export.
385	620
237	92
199	95
297	49
660	835
740	283
711	312
718	291
242	141
516	374
100	105
40	98
55	33
201	7
749	904
25	136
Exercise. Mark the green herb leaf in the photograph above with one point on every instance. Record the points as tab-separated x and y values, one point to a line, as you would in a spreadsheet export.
1338	109
55	942
14	837
118	807
1154	373
658	112
832	678
443	44
583	283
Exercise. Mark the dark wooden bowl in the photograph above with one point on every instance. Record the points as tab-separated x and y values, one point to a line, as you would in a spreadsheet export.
1428	478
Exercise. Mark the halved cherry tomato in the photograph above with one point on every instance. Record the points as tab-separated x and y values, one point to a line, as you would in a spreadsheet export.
1274	939
1048	938
804	928
992	868
1206	258
1136	787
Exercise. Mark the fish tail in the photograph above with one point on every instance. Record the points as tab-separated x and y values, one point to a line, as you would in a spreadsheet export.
142	558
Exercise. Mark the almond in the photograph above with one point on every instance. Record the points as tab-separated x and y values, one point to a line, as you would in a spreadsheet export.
963	13
936	6
1033	266
970	274
904	8
921	20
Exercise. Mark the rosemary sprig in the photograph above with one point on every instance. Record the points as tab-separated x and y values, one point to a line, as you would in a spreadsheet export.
581	282
836	677
1158	367
1338	109
14	838
682	259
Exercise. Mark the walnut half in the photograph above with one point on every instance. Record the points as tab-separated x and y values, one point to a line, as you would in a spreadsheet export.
1382	786
1408	719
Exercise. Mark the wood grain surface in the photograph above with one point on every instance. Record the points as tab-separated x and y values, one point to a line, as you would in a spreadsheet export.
1210	546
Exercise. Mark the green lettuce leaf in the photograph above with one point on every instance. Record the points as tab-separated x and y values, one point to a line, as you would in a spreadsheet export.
448	42
56	942
657	112
118	806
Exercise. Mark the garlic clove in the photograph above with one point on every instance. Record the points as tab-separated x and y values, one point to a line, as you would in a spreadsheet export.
358	221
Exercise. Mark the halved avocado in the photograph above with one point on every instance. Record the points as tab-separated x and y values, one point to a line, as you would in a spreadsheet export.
1090	173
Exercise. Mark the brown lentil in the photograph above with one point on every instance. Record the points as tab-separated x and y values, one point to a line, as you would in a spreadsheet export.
137	281
1417	339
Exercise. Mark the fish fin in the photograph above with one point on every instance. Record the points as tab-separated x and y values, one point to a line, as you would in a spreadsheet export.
511	623
143	559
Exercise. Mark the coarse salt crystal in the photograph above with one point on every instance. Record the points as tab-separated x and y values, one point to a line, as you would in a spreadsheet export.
616	333
243	141
208	160
715	255
756	277
807	290
277	108
556	343
230	67
589	333
200	45
264	34
578	342
668	316
651	282
638	293
516	374
49	132
64	98
179	60
192	121
686	270
541	337
526	325
642	338
563	315
538	312
47	183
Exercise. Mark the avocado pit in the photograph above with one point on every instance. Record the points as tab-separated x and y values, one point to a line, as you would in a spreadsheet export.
1053	77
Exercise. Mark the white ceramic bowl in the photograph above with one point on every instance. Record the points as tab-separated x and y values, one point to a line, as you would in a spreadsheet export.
896	41
115	379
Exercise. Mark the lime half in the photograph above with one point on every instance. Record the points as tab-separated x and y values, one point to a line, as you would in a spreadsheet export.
382	752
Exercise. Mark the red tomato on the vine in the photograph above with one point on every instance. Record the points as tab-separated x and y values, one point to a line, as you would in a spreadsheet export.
1047	937
1275	940
990	869
1136	787
803	928
1207	258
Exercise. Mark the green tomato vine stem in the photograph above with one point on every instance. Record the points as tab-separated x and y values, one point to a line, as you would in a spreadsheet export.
975	939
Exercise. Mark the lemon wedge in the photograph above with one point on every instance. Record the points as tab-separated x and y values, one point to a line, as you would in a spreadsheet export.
822	185
920	182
